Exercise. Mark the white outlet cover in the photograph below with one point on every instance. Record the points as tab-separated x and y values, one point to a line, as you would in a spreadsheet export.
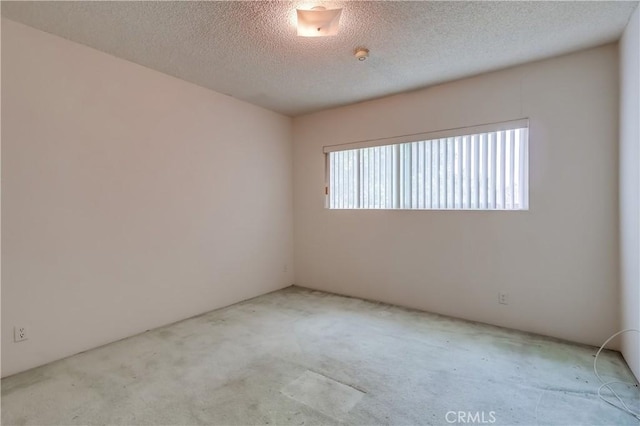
20	334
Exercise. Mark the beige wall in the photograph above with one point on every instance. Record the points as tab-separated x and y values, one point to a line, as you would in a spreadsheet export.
131	199
558	261
630	190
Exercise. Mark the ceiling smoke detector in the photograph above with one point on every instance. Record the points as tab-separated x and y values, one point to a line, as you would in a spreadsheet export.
362	53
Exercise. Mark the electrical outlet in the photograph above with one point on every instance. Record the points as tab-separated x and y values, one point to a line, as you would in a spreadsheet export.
503	298
19	333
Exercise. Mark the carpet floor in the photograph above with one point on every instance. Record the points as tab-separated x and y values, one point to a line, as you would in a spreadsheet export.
302	357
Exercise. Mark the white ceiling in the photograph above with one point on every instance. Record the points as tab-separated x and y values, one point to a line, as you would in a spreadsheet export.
250	50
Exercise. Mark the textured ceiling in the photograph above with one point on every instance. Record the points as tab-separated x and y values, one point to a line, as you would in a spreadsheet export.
250	50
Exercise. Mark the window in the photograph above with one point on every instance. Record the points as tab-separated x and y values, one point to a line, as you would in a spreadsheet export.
479	168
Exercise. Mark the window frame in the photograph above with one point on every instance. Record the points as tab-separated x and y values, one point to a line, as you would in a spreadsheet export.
431	136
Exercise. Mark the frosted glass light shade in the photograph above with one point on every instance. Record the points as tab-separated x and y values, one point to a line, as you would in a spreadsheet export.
318	22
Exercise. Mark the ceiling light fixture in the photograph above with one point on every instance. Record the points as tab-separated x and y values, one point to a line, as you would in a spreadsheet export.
362	53
318	22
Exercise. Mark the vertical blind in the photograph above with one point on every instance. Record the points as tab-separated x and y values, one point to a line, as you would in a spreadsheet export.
482	171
